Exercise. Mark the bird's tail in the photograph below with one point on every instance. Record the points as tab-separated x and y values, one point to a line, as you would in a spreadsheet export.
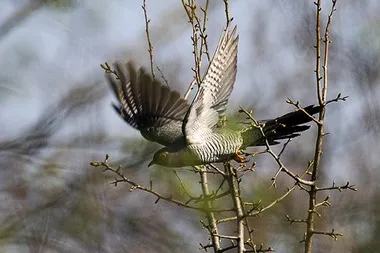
286	126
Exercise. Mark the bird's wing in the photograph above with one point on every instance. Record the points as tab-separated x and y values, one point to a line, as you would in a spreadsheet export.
147	105
211	99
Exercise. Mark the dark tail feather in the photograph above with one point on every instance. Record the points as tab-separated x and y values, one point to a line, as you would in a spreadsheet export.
287	126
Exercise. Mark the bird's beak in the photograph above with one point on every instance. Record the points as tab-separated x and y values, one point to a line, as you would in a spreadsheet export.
151	163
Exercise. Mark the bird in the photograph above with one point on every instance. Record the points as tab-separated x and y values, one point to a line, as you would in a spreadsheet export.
191	133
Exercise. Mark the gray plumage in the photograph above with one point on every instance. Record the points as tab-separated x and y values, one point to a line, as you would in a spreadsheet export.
148	106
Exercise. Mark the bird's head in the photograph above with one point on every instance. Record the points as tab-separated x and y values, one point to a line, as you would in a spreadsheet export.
171	157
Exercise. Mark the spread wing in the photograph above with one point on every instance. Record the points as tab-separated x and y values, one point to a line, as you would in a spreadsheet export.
211	99
147	105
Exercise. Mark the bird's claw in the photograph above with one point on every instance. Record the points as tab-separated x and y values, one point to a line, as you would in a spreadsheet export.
239	156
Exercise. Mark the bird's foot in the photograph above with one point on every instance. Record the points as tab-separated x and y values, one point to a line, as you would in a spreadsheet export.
239	156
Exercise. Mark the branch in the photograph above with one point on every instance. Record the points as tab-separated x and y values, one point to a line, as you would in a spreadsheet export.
216	169
184	188
227	11
332	234
202	31
297	105
282	167
212	227
135	186
190	9
322	99
347	186
239	209
252	213
191	87
198	27
338	98
162	76
150	47
108	70
291	221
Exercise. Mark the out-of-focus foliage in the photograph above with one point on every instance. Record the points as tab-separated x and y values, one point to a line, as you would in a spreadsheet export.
56	117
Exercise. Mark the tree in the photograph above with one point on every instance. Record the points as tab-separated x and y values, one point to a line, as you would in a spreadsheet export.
222	200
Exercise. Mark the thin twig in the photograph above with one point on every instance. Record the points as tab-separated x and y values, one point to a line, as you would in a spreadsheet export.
150	47
291	221
282	167
190	9
227	11
190	88
297	105
162	76
108	70
332	234
202	31
135	186
347	186
217	169
183	185
255	213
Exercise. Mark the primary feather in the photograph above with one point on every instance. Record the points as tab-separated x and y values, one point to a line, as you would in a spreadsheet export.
212	97
147	105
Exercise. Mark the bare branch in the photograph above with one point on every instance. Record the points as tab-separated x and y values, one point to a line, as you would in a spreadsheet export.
191	87
150	47
297	105
108	70
213	228
190	9
135	186
332	234
291	221
282	167
255	213
239	209
217	169
162	76
347	186
322	99
183	186
227	11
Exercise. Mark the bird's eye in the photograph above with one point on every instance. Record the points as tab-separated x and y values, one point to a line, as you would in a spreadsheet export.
163	155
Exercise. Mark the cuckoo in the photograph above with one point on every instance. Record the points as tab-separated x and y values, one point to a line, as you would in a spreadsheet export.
191	132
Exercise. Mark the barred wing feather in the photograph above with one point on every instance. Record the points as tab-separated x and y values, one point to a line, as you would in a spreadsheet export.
147	105
209	104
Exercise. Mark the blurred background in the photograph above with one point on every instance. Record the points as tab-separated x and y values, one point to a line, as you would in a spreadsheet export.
56	117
